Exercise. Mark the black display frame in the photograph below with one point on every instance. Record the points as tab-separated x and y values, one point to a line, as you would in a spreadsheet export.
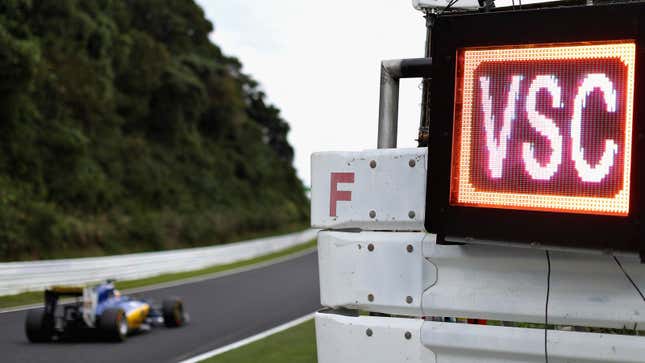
559	24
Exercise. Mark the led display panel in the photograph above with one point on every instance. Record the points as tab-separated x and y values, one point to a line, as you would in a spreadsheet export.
544	127
535	127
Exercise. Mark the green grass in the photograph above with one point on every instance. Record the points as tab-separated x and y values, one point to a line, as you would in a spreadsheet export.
37	296
25	298
295	345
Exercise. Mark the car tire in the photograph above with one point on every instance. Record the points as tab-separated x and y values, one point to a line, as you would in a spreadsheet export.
38	329
173	312
114	324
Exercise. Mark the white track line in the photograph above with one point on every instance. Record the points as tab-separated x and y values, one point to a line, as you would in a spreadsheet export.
249	340
189	280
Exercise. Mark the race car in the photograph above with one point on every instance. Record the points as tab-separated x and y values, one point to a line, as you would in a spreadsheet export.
99	311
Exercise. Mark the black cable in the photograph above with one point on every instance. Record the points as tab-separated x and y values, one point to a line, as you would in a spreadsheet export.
546	307
450	4
629	278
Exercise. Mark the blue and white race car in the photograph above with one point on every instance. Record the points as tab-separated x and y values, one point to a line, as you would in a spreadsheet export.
98	311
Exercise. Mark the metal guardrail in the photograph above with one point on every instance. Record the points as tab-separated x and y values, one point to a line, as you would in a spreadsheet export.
374	256
374	339
409	274
16	277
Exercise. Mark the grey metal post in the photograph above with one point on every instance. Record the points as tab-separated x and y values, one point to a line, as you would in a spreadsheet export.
388	109
391	72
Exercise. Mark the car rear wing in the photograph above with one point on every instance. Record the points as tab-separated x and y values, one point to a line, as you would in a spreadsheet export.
65	290
53	294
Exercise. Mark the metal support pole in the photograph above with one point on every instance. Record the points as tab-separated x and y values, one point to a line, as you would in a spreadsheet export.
391	72
388	108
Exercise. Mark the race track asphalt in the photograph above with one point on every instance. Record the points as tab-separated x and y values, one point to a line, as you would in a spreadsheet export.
222	310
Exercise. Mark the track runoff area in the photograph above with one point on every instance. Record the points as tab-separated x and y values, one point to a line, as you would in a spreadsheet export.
227	310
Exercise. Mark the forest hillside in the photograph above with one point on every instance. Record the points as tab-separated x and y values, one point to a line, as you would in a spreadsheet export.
124	128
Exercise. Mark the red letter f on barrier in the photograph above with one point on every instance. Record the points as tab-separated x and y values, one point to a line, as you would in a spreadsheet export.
335	195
